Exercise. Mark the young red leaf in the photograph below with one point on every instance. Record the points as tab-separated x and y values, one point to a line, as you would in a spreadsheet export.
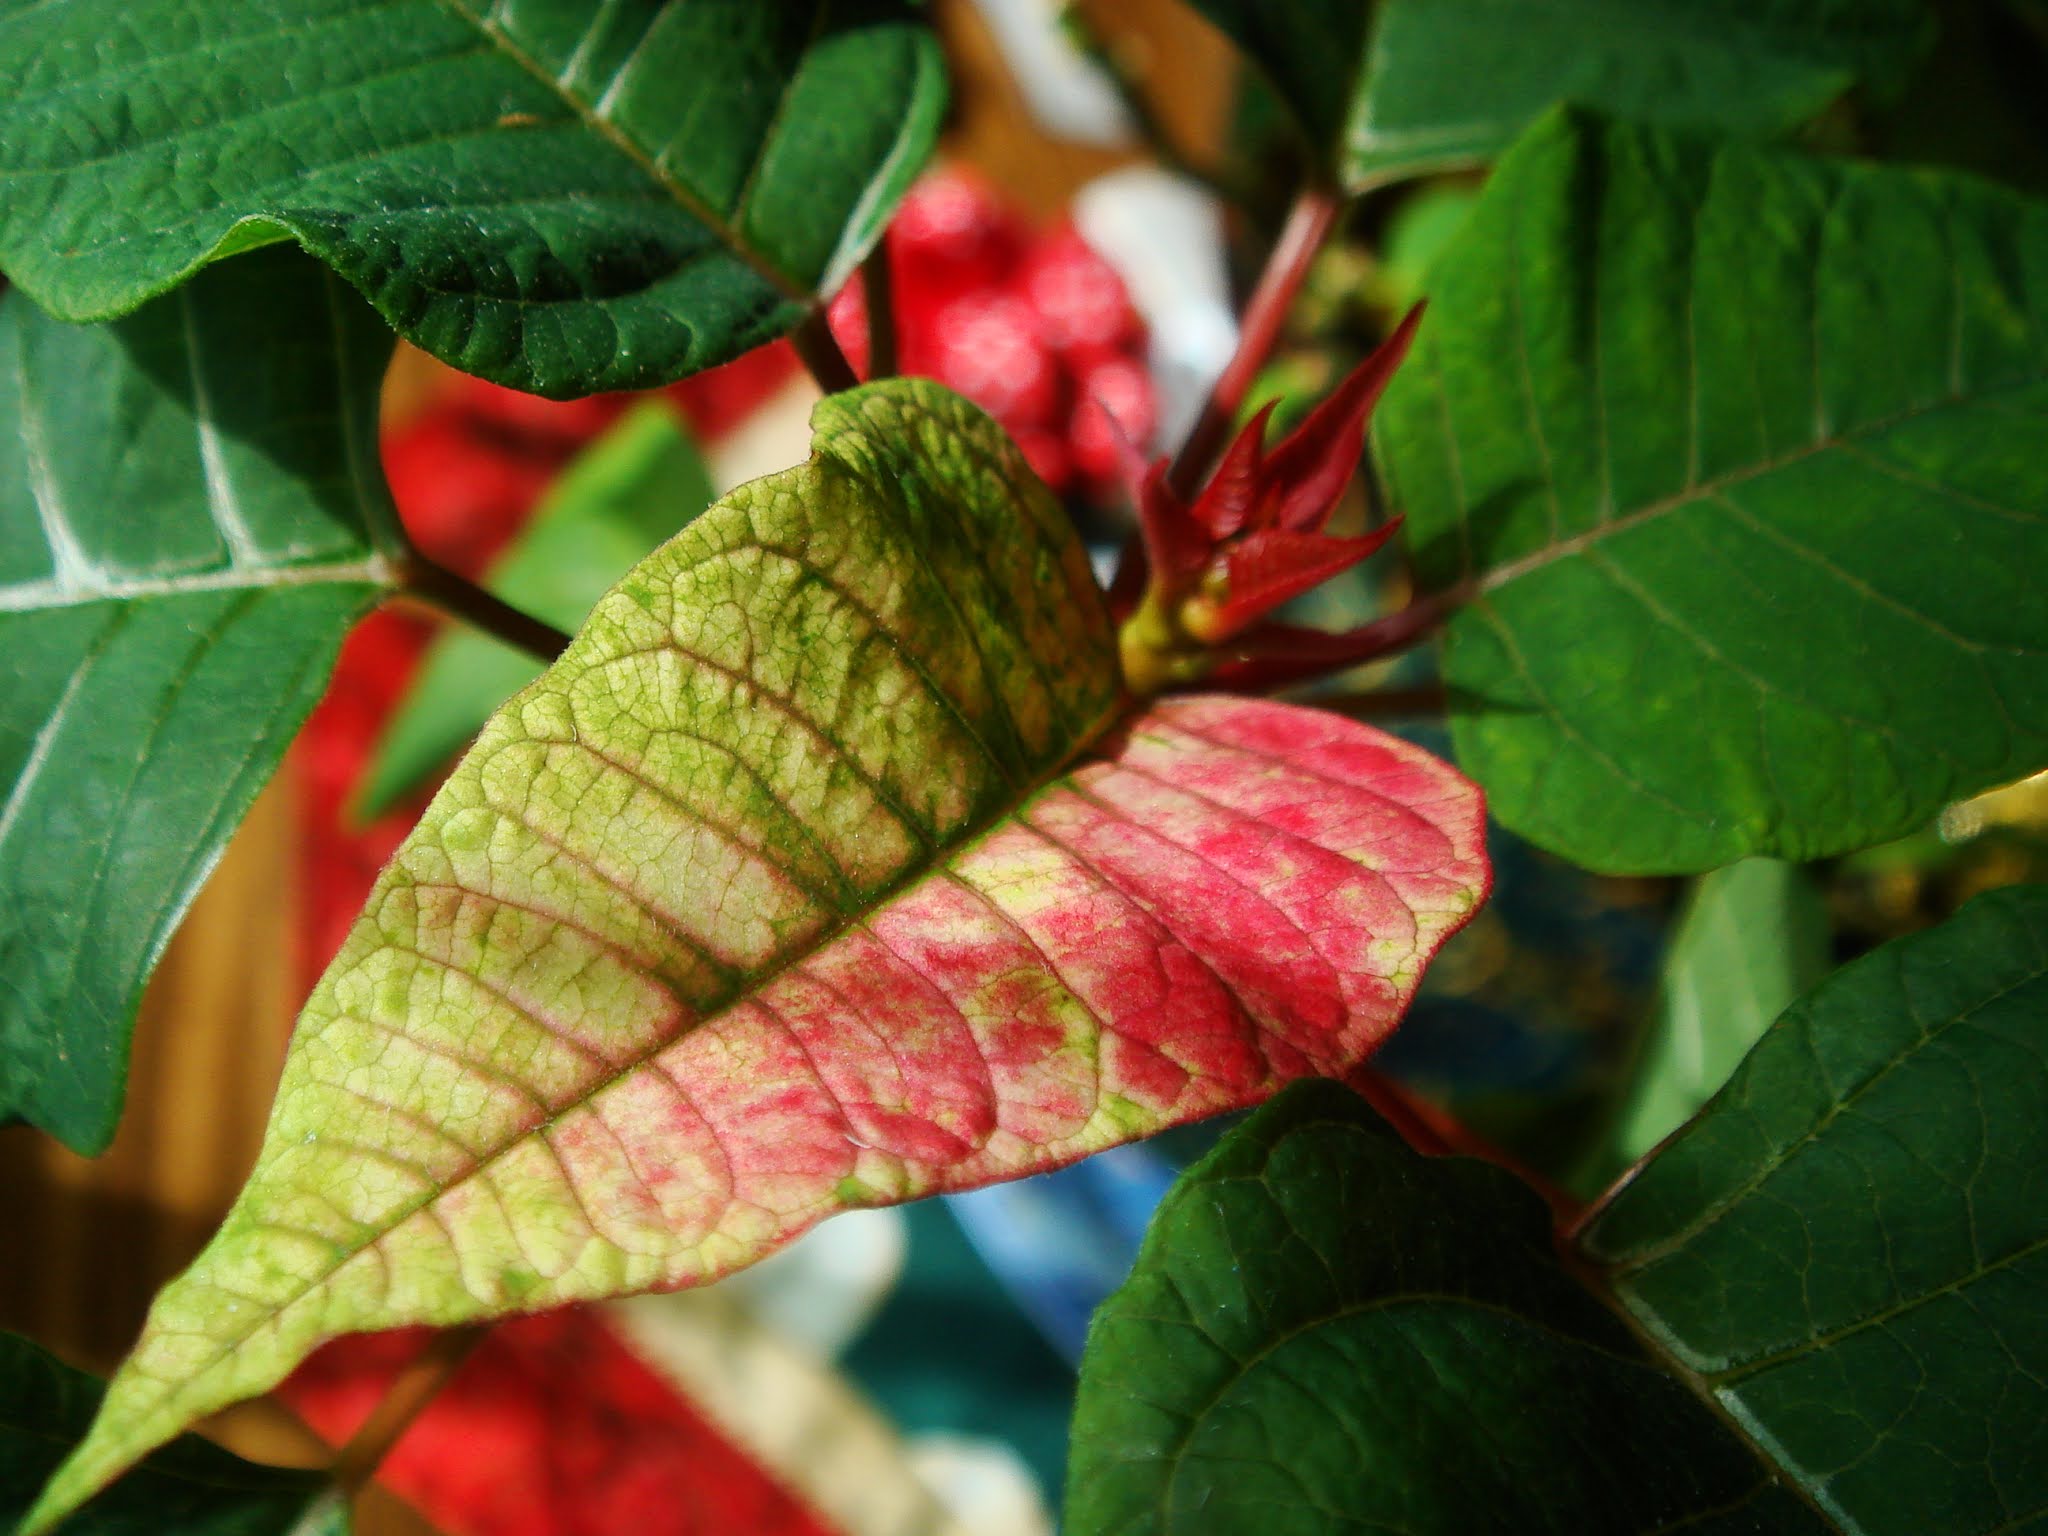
1271	566
1226	502
828	867
1253	538
1308	471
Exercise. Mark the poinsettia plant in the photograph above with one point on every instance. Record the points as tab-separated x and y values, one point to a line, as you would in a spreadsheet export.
846	839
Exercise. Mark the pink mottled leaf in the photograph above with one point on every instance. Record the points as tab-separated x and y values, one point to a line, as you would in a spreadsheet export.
829	867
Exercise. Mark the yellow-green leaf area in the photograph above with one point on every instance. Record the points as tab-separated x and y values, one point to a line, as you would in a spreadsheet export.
836	672
826	868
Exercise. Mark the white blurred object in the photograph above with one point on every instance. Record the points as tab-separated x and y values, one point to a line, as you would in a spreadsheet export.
982	1483
1066	90
795	1415
1164	235
823	1289
772	436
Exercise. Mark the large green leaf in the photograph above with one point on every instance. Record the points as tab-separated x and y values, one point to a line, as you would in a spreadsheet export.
1737	457
186	500
626	493
1844	1256
563	195
1849	1248
1435	84
1325	1331
1752	938
825	869
186	1489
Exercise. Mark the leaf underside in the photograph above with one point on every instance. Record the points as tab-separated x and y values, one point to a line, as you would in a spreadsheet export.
156	665
1849	1247
1325	1331
1432	85
566	196
1751	940
1793	605
777	895
1450	83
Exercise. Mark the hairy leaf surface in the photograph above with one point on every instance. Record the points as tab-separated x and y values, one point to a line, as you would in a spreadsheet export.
1849	1248
623	496
1326	1331
189	1489
186	505
1431	85
823	870
1737	456
563	195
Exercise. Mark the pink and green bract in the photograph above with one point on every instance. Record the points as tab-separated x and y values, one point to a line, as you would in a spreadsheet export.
830	866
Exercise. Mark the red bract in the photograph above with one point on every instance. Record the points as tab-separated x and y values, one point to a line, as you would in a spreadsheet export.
1252	539
553	1428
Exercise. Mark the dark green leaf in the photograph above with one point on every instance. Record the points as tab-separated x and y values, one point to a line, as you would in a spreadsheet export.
1326	1332
563	195
634	488
1451	82
1850	1246
189	1488
1310	49
185	508
1445	83
1739	454
1752	938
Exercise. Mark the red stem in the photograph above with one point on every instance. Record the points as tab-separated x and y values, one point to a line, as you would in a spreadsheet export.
819	351
878	287
433	583
1308	225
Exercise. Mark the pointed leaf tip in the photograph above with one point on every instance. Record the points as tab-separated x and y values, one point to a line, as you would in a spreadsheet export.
1227	501
1309	469
819	872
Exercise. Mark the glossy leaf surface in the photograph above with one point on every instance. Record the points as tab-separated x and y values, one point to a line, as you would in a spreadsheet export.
1737	455
1751	940
622	497
563	195
1850	1246
783	892
1326	1331
190	1488
1431	85
186	499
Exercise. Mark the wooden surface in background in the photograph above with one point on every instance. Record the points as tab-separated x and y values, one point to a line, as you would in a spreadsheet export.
90	1241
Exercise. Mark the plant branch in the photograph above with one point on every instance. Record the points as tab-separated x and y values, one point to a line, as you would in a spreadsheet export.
433	583
1308	225
819	351
415	1387
878	288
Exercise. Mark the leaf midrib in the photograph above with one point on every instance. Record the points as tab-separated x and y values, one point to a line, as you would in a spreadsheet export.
1117	710
586	112
49	595
1643	1257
